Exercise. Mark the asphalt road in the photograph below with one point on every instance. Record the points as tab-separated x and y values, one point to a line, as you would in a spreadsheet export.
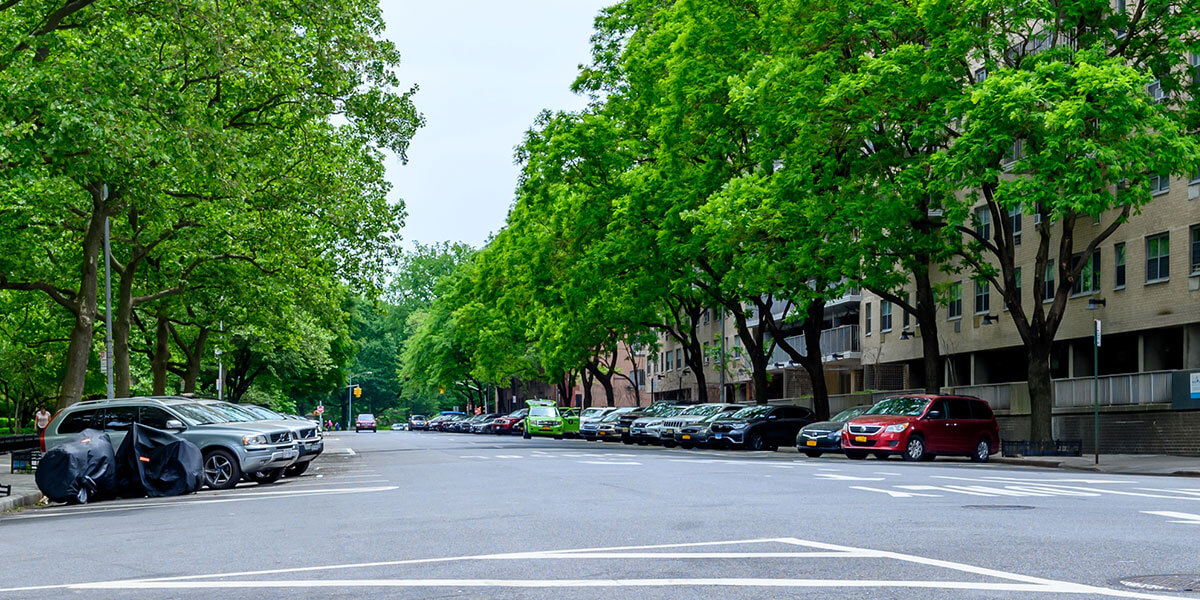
430	515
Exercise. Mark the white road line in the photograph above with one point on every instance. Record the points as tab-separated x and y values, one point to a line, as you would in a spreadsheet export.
608	462
836	477
1185	518
893	493
1169	491
349	451
887	473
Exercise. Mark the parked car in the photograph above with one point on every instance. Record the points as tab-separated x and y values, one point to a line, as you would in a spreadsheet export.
826	436
308	438
401	426
625	421
645	430
673	426
439	422
483	423
230	450
461	424
698	435
417	422
509	423
449	421
921	427
761	427
365	421
589	427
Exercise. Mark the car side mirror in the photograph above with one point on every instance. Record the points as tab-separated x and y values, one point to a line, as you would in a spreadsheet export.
174	424
934	414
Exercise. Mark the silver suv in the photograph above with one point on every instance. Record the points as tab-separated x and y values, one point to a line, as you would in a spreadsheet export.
230	450
305	432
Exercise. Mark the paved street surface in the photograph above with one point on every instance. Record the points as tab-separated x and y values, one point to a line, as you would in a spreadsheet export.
429	515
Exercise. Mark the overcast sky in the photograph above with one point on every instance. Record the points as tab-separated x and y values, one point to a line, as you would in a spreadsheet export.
485	69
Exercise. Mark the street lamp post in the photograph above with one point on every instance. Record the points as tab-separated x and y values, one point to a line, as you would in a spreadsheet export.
108	337
350	397
1095	304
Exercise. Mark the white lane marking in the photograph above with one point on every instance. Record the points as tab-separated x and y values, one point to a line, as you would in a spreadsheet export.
1061	588
244	497
509	456
1169	491
349	451
1185	518
836	477
608	462
893	493
886	473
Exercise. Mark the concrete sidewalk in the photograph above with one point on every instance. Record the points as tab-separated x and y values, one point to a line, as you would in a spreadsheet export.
24	491
1123	464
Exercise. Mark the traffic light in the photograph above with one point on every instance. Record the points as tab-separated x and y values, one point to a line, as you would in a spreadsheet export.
441	391
357	392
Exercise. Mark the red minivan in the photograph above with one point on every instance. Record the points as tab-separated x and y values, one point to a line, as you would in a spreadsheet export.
920	427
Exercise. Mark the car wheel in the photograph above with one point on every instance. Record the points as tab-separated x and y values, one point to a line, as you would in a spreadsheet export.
221	470
641	442
915	449
983	450
268	476
882	455
626	441
855	454
754	442
297	469
686	446
668	444
526	435
812	453
558	437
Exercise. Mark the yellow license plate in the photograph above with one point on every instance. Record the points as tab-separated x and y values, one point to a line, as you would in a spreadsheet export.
811	442
548	429
600	433
687	437
860	438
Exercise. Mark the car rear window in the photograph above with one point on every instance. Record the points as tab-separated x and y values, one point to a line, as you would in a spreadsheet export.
981	410
80	420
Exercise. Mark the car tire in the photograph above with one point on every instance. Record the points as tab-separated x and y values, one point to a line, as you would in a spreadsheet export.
668	444
754	442
221	470
641	442
627	442
983	450
297	469
526	435
855	454
914	449
812	453
267	477
686	446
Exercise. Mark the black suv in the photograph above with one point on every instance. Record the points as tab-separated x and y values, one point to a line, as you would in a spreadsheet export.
761	427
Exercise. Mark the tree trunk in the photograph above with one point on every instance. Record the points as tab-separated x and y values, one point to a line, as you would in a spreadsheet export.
1041	392
79	346
122	323
813	361
586	378
694	358
927	319
195	360
162	353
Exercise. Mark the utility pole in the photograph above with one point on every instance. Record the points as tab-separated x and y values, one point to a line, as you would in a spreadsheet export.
108	339
722	365
220	366
350	397
1096	392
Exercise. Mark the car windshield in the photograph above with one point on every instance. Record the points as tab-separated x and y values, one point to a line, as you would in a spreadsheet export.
198	414
542	411
233	413
613	416
849	413
908	407
704	410
751	412
366	417
418	417
519	412
264	413
592	412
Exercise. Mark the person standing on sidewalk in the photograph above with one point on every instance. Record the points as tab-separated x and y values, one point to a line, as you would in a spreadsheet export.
41	419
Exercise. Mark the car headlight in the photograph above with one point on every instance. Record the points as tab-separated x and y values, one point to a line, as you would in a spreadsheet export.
833	435
737	426
897	428
254	440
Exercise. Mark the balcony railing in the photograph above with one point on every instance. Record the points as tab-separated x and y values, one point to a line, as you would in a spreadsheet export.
839	340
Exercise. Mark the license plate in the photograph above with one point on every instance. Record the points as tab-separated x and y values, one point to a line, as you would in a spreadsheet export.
811	442
668	431
859	438
601	433
687	437
717	435
548	429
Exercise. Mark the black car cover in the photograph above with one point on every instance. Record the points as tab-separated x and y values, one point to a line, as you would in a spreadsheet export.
152	462
80	470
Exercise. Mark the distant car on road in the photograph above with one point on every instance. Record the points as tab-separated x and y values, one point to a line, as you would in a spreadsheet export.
921	427
826	436
365	421
510	423
672	427
589	424
546	419
761	427
417	422
647	430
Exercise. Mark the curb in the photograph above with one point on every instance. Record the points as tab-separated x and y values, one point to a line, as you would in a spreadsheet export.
1049	464
20	500
1054	464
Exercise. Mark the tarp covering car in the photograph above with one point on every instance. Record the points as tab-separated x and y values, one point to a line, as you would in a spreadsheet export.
156	463
80	470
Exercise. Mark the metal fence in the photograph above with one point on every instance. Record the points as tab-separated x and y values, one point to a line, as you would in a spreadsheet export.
998	396
1115	390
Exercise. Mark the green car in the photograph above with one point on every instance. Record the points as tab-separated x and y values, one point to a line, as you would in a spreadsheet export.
547	419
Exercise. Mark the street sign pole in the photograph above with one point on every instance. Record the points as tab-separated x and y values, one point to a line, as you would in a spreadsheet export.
108	337
1096	392
349	401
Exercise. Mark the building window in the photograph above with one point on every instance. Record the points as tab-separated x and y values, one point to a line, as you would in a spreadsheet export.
885	315
905	319
1155	91
1014	216
868	321
1158	255
1195	249
1015	152
1194	61
1120	10
954	308
706	352
1119	270
1088	281
983	222
706	316
980	75
1048	289
1160	184
983	297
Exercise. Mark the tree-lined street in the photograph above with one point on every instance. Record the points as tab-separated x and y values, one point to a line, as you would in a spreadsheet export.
418	514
